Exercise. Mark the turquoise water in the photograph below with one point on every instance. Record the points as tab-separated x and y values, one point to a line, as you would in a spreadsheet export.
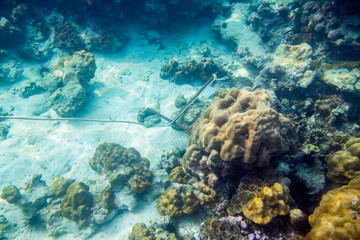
191	119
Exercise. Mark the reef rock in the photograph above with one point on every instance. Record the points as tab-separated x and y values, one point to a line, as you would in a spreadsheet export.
234	30
343	79
290	69
68	81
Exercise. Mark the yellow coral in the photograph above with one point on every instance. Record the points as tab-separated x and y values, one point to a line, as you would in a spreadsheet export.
207	195
170	203
244	128
270	203
178	175
344	165
337	216
191	202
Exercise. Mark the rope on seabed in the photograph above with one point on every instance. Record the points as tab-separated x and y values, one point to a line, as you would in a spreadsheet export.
82	119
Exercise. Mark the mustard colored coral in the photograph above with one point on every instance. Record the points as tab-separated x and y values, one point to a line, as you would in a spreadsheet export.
178	175
270	203
173	203
170	203
338	214
344	165
243	128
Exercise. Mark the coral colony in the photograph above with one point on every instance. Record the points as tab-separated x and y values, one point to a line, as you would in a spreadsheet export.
194	120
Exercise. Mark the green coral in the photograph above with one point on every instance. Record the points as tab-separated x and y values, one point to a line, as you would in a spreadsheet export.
77	203
11	194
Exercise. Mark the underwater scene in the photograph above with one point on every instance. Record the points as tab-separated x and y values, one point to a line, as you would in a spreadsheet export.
180	120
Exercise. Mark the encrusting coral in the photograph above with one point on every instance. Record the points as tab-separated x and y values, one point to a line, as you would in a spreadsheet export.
344	165
270	203
337	216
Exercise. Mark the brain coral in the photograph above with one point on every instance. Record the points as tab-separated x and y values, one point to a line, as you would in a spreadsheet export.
344	165
243	128
337	216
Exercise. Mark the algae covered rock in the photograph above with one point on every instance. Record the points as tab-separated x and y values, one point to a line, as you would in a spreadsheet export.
68	81
140	232
11	194
77	203
123	166
343	79
191	70
270	203
60	185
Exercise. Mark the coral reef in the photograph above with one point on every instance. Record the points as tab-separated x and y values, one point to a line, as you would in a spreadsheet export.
10	35
68	81
273	22
337	216
109	41
232	132
67	38
77	203
270	203
10	72
333	26
290	71
234	31
344	165
191	70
